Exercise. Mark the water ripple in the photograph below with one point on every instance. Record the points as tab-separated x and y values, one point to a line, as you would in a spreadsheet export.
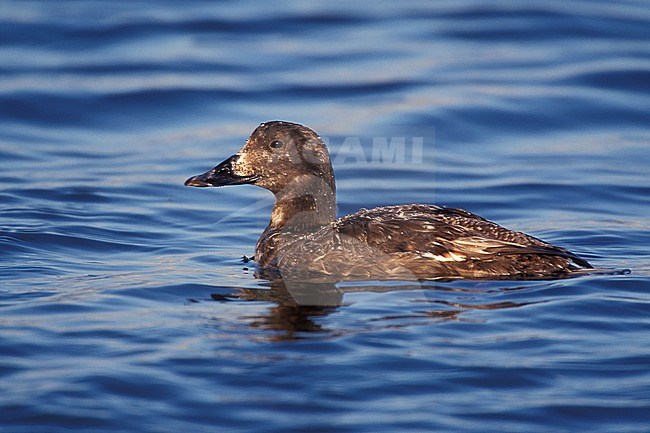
125	301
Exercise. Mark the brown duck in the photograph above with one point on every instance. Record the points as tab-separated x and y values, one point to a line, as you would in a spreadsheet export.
414	241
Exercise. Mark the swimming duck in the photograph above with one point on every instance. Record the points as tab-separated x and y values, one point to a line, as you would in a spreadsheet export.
414	241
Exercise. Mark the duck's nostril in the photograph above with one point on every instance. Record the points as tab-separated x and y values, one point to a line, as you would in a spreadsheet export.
224	170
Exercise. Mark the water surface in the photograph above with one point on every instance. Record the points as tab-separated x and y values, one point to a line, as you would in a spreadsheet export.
124	302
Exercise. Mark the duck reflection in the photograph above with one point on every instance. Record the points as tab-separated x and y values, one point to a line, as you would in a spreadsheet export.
299	306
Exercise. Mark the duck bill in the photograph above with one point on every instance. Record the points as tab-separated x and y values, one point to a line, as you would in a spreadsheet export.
222	175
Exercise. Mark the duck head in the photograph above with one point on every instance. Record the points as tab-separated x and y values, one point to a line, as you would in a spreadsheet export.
276	155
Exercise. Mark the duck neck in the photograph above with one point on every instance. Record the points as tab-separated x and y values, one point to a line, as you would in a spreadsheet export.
307	203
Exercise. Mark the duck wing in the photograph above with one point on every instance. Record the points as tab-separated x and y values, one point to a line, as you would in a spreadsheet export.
450	241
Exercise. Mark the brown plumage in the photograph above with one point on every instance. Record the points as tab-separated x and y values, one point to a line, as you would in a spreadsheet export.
305	240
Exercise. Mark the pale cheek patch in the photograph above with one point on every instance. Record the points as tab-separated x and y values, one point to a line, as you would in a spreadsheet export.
242	167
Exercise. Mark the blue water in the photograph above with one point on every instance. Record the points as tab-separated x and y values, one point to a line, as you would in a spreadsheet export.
124	302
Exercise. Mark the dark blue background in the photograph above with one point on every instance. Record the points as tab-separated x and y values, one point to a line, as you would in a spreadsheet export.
119	306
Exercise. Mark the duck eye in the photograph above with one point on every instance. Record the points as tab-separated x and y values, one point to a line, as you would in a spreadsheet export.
276	144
